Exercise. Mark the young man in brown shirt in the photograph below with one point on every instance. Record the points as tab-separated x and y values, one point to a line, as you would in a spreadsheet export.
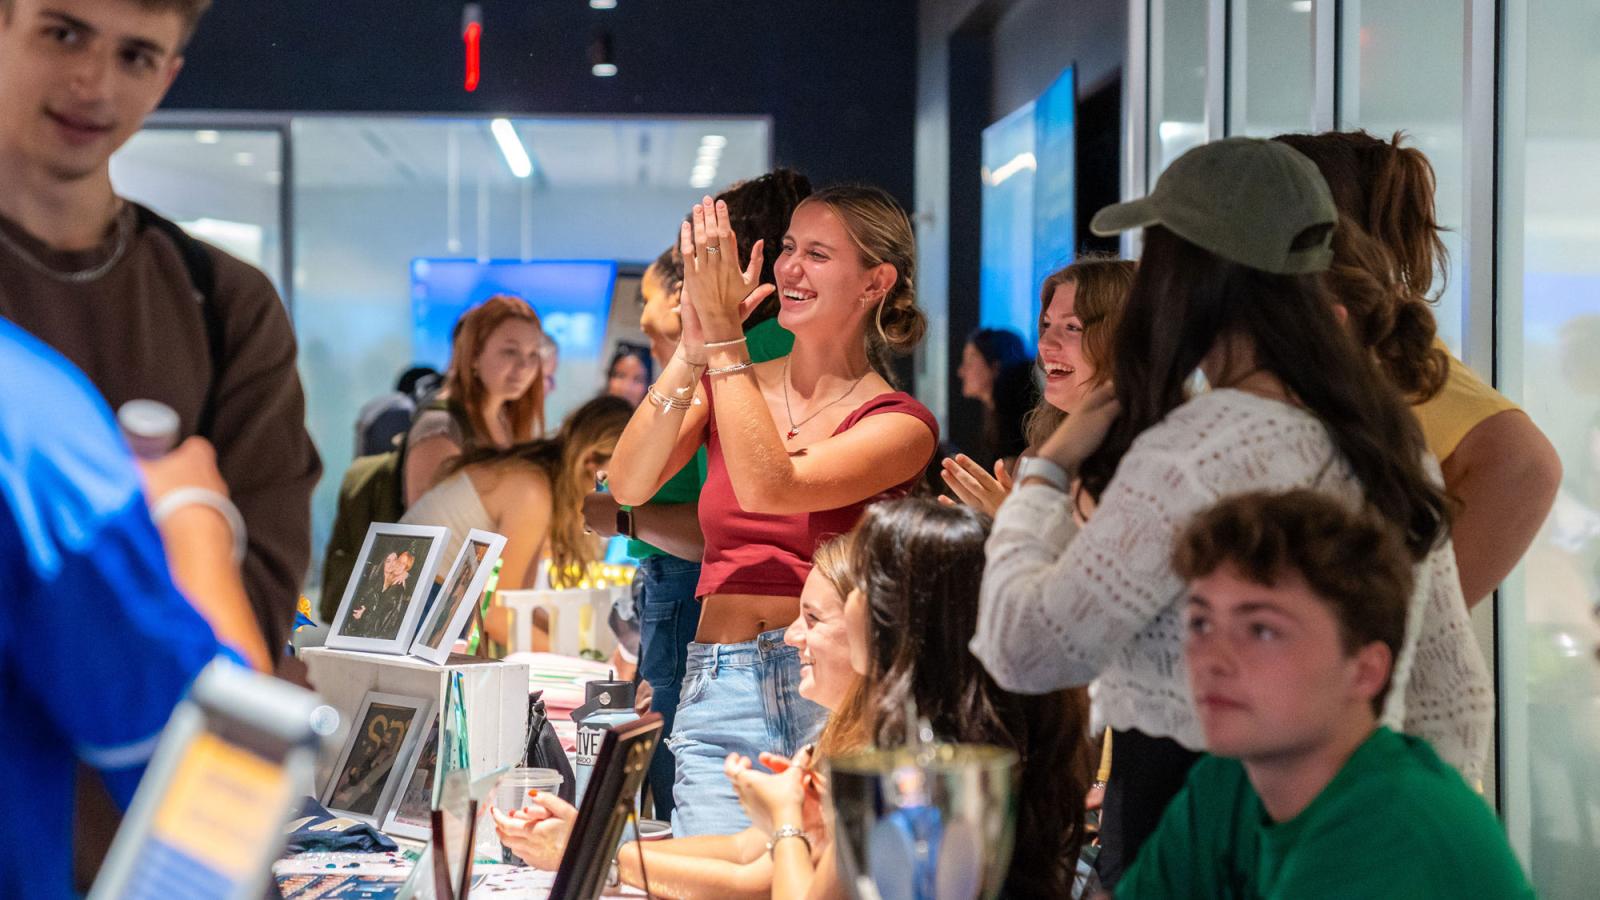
113	290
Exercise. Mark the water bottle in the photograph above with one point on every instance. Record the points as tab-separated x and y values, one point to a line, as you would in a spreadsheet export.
607	704
150	426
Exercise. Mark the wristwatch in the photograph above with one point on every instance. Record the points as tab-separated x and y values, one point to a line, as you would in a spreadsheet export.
625	522
1043	469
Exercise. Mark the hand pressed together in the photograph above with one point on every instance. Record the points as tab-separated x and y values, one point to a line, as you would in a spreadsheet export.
717	293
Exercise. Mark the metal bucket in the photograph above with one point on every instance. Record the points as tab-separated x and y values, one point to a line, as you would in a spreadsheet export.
935	825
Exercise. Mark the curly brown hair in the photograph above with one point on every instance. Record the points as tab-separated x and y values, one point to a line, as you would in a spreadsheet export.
1353	560
760	209
1386	250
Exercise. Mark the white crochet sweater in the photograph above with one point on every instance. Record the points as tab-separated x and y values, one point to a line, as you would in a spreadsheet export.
1065	605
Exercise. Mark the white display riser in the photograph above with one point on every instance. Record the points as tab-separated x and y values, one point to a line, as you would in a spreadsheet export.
496	699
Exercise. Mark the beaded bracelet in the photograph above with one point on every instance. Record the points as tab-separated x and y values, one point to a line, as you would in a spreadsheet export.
737	367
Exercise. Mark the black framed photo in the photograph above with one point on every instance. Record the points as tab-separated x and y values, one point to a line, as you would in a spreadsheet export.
619	771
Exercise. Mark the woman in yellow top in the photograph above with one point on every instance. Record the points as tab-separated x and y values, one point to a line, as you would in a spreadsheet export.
1497	465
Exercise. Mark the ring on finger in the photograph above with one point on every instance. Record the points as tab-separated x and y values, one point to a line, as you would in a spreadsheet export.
713	249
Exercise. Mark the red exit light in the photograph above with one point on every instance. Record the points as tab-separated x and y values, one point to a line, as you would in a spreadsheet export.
473	35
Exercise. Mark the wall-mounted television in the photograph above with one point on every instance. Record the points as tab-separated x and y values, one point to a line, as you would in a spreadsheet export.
1029	206
572	297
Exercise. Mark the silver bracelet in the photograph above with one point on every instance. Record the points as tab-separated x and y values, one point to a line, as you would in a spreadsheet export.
663	402
737	367
175	500
788	831
711	345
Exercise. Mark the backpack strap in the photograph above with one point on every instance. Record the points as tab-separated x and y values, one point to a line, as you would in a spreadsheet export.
433	403
202	271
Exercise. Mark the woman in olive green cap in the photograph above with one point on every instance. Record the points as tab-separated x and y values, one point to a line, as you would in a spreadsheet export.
1236	236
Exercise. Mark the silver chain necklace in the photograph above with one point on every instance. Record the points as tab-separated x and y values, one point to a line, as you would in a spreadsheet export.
794	428
81	276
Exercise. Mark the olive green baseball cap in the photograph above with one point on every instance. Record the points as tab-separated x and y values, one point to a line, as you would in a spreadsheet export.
1247	200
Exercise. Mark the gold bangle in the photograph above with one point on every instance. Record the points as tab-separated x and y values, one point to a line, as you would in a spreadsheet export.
712	345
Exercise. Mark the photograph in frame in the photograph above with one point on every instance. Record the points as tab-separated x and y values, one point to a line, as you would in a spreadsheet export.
449	613
388	588
410	815
383	737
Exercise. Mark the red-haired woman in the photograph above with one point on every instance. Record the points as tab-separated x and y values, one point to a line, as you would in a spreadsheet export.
493	394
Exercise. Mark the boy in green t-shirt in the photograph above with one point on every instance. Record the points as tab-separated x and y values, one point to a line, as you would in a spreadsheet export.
1296	613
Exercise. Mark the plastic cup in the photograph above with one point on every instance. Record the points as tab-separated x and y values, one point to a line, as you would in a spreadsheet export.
514	791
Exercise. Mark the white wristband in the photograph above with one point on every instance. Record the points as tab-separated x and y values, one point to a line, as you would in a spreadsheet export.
174	500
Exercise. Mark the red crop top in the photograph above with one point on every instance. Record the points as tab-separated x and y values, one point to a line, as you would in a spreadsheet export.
770	556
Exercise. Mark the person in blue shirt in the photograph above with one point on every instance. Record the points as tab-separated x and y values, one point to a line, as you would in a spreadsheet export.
97	642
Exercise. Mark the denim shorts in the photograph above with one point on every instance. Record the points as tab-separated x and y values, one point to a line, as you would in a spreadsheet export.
668	617
737	698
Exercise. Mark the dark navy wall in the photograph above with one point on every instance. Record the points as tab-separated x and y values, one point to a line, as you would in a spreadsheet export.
838	77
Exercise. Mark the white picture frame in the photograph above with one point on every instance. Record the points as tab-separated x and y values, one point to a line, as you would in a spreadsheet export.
383	737
410	810
448	615
378	614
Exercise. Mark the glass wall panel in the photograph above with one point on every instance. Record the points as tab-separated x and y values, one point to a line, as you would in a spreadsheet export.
221	185
1269	67
375	195
1403	70
1549	359
1177	80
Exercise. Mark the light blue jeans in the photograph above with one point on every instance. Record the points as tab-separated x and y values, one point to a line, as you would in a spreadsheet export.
737	698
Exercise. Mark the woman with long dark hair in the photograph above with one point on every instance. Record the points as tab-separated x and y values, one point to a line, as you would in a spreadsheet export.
629	374
994	365
915	568
1498	466
796	449
1235	235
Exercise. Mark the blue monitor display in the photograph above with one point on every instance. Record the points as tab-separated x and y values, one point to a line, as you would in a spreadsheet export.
1029	204
1006	289
1055	196
572	297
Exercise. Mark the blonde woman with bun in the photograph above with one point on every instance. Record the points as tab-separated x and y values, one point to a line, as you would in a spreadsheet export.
797	448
